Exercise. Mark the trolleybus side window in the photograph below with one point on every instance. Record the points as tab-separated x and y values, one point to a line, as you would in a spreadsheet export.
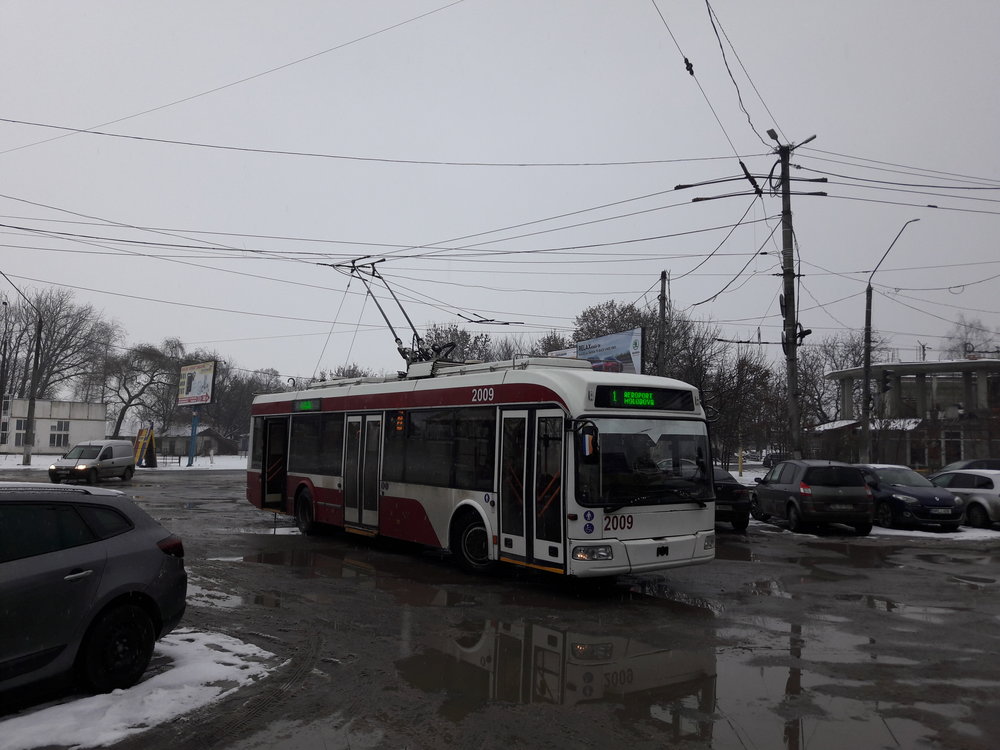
442	448
317	444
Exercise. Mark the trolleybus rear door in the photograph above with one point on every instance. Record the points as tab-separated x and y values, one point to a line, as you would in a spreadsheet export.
548	512
275	468
513	472
361	470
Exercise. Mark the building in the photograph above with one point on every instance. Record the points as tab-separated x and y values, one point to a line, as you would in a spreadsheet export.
924	414
177	442
59	425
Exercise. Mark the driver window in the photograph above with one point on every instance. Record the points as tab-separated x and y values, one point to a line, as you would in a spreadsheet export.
105	454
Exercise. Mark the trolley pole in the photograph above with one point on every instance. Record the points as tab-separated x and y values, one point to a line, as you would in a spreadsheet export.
661	350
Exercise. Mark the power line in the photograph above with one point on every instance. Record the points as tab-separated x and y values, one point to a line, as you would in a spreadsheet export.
348	157
247	78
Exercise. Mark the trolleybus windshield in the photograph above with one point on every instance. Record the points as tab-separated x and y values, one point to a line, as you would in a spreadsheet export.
645	462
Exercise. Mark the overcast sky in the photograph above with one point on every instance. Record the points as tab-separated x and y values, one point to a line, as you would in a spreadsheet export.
511	160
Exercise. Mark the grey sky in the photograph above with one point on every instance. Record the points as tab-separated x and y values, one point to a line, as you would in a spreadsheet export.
498	94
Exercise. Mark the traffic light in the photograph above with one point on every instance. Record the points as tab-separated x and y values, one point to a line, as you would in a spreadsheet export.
887	380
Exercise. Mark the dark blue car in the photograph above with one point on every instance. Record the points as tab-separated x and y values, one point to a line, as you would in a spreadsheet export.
906	499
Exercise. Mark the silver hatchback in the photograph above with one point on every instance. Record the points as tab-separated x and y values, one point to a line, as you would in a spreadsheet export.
88	582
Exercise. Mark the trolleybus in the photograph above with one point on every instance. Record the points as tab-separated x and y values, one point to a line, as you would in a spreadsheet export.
537	462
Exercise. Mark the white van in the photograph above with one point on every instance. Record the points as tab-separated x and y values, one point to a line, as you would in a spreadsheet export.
94	460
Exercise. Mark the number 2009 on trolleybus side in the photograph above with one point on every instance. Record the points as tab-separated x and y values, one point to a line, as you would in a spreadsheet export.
537	462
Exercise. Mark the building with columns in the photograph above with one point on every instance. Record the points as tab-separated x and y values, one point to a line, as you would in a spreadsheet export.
933	413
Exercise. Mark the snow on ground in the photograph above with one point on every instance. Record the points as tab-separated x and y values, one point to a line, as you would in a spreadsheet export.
42	461
203	668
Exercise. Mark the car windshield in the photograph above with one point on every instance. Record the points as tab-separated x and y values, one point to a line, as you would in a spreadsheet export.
834	476
902	476
645	462
84	451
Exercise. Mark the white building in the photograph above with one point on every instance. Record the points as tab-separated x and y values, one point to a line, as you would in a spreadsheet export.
59	425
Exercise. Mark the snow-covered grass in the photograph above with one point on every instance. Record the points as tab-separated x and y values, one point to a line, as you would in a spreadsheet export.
203	668
167	463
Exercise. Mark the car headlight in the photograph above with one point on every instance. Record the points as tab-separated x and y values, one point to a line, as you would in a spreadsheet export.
908	499
603	552
959	501
52	467
80	467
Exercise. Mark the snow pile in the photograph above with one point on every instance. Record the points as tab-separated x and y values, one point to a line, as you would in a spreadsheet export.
206	667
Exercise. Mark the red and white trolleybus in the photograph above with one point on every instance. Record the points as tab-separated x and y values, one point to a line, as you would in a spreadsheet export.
538	462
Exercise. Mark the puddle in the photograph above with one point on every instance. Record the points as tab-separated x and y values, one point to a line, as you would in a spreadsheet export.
525	662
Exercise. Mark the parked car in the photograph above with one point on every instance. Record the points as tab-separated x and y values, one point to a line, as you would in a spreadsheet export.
973	463
88	583
904	498
807	492
732	500
980	488
94	460
772	459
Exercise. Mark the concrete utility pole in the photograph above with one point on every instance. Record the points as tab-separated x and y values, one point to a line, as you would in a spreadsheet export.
792	332
661	350
866	390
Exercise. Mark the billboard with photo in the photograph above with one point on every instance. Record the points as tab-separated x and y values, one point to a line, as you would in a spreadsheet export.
196	385
616	352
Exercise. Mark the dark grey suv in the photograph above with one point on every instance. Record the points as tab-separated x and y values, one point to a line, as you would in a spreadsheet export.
807	492
88	582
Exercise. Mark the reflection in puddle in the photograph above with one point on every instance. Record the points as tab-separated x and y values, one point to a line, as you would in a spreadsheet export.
526	662
336	563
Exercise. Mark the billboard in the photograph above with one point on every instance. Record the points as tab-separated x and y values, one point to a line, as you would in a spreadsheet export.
616	352
196	384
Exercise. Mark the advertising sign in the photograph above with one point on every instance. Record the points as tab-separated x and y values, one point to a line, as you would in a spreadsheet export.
616	352
196	385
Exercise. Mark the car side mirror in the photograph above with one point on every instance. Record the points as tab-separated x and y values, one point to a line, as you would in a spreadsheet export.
758	480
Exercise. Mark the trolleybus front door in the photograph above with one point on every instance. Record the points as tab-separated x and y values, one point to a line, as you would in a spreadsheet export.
361	470
275	463
513	490
548	513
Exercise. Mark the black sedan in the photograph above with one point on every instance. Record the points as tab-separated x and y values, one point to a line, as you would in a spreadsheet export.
906	499
732	500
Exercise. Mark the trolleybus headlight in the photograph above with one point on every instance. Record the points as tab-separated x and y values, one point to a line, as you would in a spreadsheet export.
710	542
603	552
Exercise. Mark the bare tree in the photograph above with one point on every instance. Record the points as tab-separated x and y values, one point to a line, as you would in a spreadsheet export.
820	397
969	337
75	342
135	378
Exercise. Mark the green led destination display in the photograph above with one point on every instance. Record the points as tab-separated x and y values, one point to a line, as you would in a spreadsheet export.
306	404
626	397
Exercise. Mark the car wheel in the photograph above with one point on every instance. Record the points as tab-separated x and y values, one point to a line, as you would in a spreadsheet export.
127	474
470	544
92	476
862	529
795	522
755	509
740	523
117	649
977	517
304	513
884	517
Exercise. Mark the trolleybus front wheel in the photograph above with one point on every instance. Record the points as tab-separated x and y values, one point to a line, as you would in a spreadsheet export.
470	544
304	513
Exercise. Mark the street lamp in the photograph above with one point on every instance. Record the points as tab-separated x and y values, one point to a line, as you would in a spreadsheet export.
866	407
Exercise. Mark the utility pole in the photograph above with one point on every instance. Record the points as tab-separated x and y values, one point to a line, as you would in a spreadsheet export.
792	332
789	339
661	350
867	449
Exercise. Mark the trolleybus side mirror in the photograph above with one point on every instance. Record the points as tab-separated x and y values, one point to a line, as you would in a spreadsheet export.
589	451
